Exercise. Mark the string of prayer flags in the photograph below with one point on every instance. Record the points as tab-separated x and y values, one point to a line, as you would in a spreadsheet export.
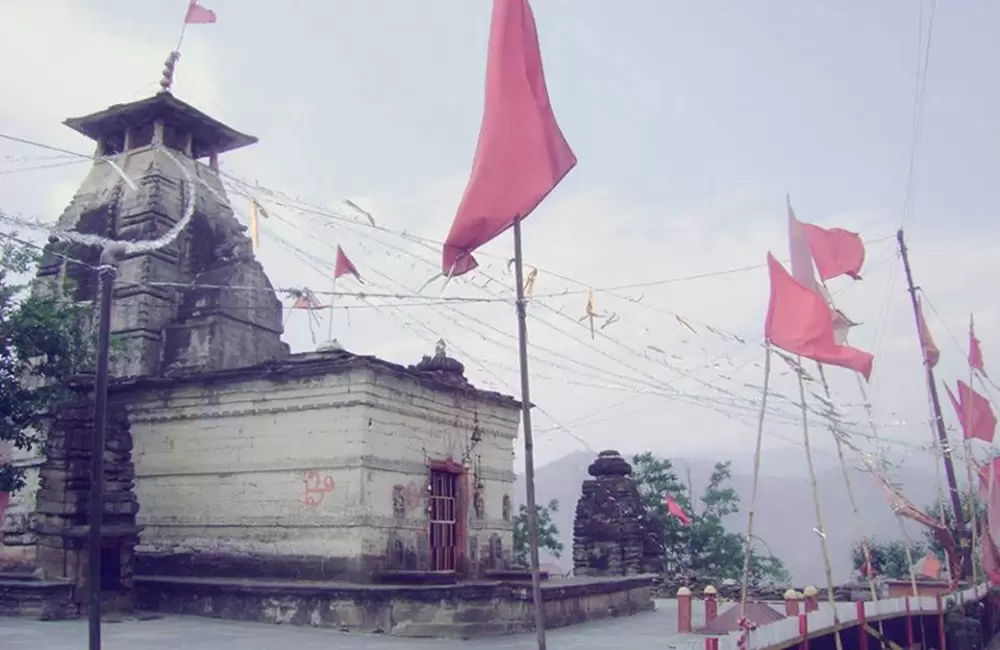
931	352
304	299
685	323
529	282
591	312
800	321
355	206
522	154
198	15
975	352
974	413
256	212
345	266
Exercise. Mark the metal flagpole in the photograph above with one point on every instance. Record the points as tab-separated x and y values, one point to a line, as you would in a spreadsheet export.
529	445
107	271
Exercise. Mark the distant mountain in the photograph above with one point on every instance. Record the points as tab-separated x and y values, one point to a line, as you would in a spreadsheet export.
785	515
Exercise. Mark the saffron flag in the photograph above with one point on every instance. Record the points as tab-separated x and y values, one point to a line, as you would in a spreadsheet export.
931	352
345	266
801	322
975	352
198	15
676	511
974	413
522	154
835	251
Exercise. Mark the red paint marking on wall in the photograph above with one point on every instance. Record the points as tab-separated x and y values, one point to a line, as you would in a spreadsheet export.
414	494
316	489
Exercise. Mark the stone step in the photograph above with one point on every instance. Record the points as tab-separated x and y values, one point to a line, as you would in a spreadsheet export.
47	600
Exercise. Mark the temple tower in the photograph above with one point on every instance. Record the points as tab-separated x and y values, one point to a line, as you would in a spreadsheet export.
200	303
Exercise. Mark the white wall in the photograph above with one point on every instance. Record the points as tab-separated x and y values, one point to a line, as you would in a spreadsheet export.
413	425
224	470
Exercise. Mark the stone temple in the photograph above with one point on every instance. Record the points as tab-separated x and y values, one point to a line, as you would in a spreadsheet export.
242	481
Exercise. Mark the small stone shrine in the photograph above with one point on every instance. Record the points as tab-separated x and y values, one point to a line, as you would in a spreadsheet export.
611	533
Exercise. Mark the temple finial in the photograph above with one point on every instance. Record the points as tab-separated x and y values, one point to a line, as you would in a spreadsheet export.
167	79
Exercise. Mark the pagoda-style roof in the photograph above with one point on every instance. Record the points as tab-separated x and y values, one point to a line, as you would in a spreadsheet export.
208	133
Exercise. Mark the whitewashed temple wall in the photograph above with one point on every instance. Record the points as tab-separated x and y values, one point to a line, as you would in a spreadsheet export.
408	426
307	467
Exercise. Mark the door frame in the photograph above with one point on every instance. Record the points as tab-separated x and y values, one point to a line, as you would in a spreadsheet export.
450	466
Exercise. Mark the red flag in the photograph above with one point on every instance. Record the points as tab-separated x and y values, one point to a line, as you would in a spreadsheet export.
345	266
975	352
522	155
800	321
676	511
835	251
931	352
198	15
975	408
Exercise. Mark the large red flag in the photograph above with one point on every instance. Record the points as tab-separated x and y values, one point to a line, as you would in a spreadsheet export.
974	413
931	352
522	155
345	266
800	321
835	251
198	15
975	352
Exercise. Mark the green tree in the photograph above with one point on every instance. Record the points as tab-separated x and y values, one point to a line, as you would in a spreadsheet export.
705	546
548	533
888	556
43	342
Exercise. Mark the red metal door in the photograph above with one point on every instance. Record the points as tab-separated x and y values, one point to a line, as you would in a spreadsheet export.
443	520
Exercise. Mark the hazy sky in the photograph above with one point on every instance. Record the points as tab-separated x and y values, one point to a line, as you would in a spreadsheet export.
690	121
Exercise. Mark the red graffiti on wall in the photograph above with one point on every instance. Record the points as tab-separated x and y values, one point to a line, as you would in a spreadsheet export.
316	489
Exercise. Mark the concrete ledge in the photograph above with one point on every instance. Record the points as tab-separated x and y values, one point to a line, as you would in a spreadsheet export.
465	610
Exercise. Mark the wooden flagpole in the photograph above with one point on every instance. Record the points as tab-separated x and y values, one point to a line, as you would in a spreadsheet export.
748	542
529	445
800	371
949	467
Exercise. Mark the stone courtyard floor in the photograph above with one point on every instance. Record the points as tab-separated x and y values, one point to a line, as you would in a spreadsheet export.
648	630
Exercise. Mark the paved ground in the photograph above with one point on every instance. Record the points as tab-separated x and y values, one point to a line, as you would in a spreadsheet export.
652	629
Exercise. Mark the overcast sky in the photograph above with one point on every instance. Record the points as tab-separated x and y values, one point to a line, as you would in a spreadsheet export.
690	121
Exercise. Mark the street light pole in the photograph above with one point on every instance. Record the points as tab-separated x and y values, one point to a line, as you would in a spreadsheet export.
111	254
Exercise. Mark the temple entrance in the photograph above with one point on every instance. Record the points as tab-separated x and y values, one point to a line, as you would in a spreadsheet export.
443	520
